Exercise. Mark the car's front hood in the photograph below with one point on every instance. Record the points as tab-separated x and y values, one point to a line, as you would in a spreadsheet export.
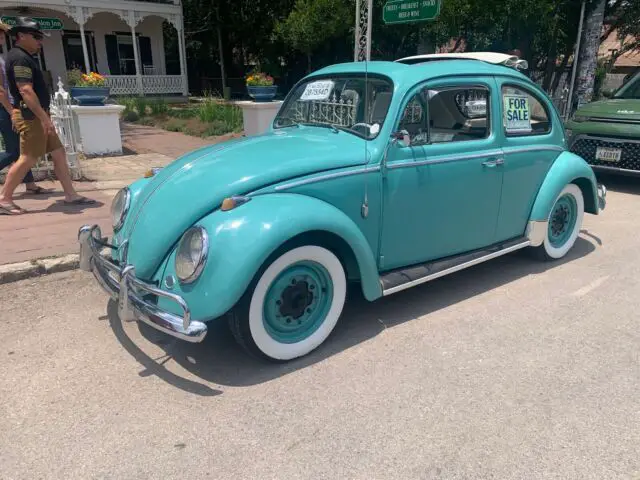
615	109
194	185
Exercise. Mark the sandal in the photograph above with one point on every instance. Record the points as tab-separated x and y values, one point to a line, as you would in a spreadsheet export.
38	190
80	201
11	209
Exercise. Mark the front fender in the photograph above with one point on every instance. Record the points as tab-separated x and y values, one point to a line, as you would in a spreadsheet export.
242	239
568	168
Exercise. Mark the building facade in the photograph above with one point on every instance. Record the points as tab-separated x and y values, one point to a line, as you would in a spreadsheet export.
121	39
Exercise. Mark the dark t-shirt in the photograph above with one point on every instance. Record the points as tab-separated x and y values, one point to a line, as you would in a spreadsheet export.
23	67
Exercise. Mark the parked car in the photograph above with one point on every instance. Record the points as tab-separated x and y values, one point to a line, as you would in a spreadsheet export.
606	133
374	173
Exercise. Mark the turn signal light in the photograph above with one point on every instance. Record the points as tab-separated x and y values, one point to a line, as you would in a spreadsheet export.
151	172
230	203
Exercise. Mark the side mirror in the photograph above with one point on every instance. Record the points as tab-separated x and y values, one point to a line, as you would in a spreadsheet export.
401	138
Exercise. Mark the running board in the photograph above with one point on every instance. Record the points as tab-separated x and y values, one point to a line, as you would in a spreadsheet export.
402	279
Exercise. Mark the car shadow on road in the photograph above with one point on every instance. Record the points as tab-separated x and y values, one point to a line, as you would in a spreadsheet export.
219	360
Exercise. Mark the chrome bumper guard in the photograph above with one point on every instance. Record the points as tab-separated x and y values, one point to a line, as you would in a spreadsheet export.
122	285
602	196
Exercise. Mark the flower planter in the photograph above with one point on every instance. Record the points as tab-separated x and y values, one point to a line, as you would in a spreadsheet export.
262	93
90	96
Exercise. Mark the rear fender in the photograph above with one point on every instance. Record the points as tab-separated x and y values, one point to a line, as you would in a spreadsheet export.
241	240
568	168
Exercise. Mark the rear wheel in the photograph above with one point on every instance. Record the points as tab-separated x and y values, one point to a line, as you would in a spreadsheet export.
565	221
294	305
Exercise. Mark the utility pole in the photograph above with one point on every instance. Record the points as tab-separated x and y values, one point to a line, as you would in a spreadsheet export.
364	14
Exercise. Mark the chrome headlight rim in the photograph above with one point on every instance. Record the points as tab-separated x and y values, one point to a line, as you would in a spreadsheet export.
202	259
125	210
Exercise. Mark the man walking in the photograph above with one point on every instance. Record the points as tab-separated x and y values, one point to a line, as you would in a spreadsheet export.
10	137
31	117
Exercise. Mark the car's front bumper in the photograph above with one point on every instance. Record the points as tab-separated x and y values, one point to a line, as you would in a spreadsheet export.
122	285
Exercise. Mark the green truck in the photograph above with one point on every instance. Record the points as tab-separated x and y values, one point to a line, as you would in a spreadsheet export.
606	133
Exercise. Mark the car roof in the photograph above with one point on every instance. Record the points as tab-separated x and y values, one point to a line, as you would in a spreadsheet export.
405	75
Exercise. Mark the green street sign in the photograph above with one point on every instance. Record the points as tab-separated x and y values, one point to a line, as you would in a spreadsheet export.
407	11
45	23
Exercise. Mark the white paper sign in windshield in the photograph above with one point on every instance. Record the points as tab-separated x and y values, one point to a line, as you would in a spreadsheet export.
516	113
319	90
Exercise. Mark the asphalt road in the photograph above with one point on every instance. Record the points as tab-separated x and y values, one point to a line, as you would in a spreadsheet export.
511	370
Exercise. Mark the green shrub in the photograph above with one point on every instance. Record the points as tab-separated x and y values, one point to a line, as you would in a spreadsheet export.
174	125
158	106
141	104
189	112
130	116
213	110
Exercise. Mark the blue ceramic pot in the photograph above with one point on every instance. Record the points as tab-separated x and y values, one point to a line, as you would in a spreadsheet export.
90	96
262	94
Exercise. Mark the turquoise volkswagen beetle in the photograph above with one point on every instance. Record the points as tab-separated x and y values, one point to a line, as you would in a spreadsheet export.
388	174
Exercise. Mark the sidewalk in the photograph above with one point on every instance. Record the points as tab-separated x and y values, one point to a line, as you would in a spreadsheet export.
51	228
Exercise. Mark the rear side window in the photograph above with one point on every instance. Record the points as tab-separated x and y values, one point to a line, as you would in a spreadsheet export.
522	113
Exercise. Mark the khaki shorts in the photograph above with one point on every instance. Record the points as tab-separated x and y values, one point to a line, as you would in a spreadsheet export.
34	142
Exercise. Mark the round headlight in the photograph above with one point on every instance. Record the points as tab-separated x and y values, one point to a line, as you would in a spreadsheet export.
191	254
119	208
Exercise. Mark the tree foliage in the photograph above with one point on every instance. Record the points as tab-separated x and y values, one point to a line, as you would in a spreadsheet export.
287	37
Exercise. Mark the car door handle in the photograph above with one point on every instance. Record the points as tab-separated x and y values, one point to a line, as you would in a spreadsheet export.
493	163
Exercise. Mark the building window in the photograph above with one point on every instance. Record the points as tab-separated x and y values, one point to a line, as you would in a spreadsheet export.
120	54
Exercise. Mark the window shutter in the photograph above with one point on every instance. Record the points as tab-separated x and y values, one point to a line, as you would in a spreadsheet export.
145	51
111	42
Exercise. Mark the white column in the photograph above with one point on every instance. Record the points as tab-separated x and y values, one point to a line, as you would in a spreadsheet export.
136	55
183	55
85	51
80	19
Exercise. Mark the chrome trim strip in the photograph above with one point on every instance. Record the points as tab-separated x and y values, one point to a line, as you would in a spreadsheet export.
457	268
604	139
544	148
444	159
625	171
537	231
329	176
602	196
121	285
614	120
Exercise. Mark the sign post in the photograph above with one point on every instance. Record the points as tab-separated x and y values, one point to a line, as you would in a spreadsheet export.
408	11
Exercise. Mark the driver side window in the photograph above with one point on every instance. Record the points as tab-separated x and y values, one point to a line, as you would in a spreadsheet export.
414	121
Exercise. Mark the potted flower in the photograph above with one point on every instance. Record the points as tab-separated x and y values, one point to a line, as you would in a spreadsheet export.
260	87
87	89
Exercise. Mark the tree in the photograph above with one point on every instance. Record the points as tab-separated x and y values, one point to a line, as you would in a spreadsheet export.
312	23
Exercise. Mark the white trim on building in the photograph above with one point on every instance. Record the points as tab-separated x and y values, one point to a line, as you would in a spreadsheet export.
98	31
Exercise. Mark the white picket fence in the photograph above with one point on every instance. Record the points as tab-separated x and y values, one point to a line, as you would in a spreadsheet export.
67	130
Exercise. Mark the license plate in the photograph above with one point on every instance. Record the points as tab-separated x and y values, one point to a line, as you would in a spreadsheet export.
608	154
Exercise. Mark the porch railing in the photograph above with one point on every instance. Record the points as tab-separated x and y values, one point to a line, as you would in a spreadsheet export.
151	84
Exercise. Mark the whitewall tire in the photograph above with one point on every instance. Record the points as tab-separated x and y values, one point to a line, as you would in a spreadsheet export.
564	224
294	305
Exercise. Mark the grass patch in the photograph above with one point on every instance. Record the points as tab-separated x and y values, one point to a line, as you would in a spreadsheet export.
211	117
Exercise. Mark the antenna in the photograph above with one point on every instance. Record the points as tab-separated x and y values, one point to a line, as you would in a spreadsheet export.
362	53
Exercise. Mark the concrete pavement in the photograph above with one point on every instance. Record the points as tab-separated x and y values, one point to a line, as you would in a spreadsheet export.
510	370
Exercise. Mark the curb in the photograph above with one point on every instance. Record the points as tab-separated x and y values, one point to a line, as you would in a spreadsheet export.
14	272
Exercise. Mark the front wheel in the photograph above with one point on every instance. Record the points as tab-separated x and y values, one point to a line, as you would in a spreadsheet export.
294	305
565	221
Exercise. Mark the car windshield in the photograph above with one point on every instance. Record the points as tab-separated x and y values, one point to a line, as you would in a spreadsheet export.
630	90
338	102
